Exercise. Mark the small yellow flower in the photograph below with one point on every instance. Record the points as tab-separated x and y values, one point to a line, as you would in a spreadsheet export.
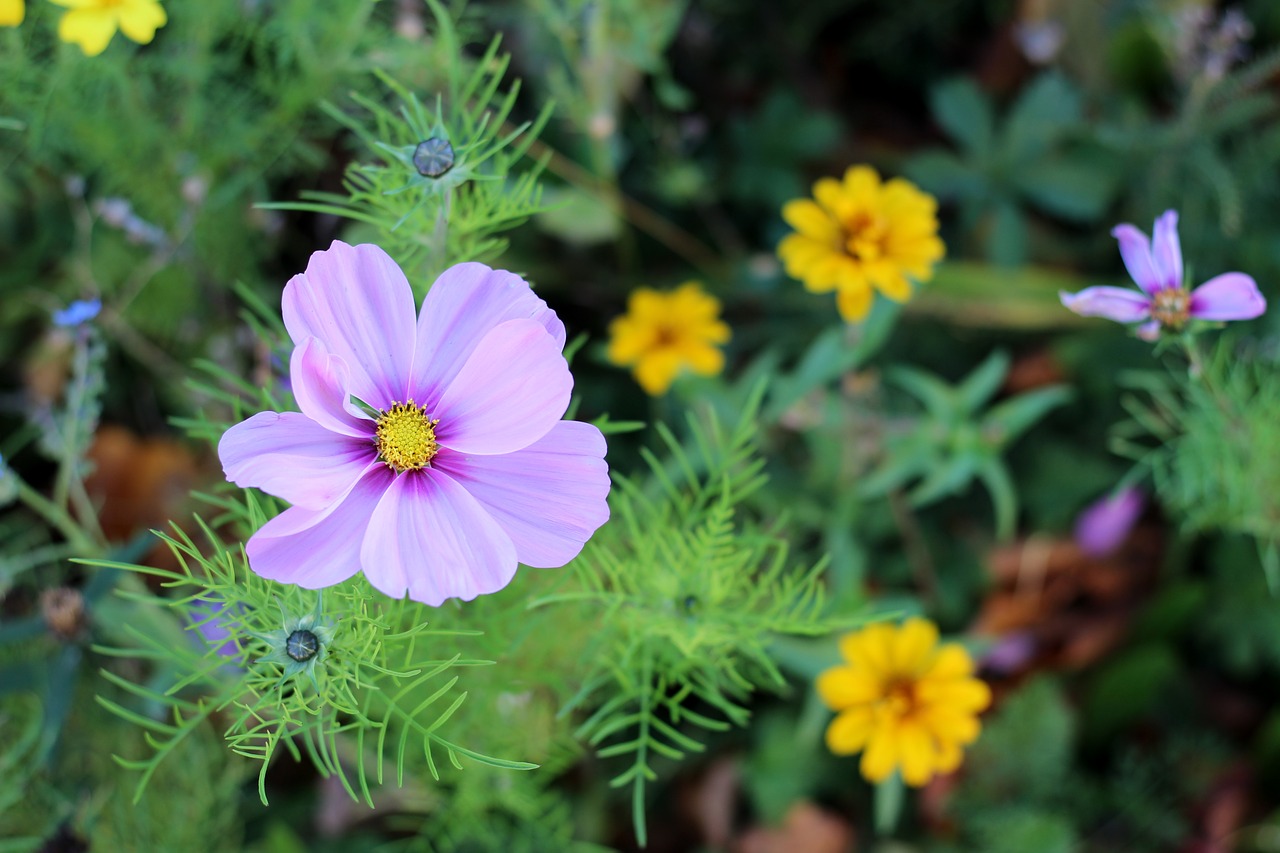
12	12
903	701
92	23
663	333
859	234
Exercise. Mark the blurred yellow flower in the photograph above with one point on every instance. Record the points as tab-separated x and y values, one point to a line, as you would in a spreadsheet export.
12	12
663	333
92	23
859	234
903	700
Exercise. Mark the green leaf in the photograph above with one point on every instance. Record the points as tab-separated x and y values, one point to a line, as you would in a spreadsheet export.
1044	112
945	175
1010	418
1128	687
965	113
1007	235
1076	189
983	383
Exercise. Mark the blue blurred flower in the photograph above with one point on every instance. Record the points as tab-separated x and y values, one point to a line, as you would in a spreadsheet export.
78	312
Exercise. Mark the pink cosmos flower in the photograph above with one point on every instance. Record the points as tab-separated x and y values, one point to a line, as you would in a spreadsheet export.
1103	525
464	470
1156	267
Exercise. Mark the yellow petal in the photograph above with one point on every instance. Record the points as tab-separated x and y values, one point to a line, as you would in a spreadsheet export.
628	340
91	29
12	12
139	19
871	649
952	661
881	755
846	686
913	646
849	731
656	371
951	726
830	194
862	184
948	757
702	359
811	220
854	303
916	752
968	694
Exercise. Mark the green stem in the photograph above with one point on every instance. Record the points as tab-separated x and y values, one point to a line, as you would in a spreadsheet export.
57	518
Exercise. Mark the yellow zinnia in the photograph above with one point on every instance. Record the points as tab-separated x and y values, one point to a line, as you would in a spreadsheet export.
92	23
903	700
859	234
12	12
664	333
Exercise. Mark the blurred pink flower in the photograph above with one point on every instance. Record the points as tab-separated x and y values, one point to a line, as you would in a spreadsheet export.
1156	267
456	467
1104	524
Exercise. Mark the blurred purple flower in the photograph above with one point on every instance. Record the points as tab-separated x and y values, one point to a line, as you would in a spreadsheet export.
1010	653
1104	525
207	619
1164	302
457	466
78	312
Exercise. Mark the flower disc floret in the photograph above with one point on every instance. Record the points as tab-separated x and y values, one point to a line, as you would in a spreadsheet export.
456	467
860	235
903	700
406	437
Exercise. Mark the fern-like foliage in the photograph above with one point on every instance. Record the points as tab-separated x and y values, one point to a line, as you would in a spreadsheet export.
688	596
430	222
383	688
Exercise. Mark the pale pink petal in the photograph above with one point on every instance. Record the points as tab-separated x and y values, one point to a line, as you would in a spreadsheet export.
1136	251
463	305
1114	303
359	304
1166	250
318	548
1149	331
1230	296
549	497
292	457
508	394
429	538
319	383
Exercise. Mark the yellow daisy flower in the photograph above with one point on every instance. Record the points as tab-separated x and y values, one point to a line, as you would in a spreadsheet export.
92	23
664	333
903	701
12	12
859	234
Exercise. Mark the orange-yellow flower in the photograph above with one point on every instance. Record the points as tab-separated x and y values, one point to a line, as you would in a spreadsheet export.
859	235
664	333
903	701
12	12
92	23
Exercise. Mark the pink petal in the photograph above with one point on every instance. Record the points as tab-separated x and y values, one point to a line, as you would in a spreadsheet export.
1149	331
549	497
1114	303
358	303
292	457
508	394
1136	252
314	549
463	305
1167	250
429	538
1104	525
1230	296
319	384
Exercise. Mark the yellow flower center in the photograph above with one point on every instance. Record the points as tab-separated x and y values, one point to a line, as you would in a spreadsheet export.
864	235
1171	307
899	698
406	437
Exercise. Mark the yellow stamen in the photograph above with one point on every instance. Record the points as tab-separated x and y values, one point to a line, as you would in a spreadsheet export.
406	437
1171	307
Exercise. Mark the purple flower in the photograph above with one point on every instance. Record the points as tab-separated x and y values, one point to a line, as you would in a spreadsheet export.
1156	267
77	313
464	466
207	620
1104	524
